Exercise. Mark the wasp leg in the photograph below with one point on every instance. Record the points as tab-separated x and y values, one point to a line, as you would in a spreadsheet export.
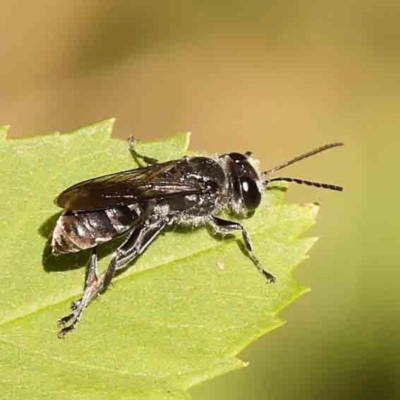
132	144
223	226
91	278
132	248
135	244
92	275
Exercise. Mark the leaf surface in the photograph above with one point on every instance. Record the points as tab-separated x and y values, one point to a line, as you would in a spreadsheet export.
177	317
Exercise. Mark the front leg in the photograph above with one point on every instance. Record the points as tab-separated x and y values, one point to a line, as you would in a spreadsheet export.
224	227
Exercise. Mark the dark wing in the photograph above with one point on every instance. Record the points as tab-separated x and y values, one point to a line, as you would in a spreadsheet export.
126	187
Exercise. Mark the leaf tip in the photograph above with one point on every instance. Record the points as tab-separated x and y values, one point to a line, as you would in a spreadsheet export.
55	134
187	136
313	208
3	131
102	128
182	141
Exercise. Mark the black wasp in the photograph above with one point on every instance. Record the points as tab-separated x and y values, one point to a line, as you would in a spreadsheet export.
140	203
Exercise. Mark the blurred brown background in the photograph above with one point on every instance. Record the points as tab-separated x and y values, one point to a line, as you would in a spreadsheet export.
275	77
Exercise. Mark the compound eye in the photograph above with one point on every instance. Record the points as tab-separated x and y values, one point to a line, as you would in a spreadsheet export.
251	194
237	158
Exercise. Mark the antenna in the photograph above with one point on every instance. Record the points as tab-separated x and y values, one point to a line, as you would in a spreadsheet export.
299	180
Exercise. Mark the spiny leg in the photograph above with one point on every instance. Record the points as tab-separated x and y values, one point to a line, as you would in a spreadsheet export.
92	275
224	227
132	144
135	244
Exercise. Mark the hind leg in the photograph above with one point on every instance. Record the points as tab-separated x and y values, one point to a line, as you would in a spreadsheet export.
136	243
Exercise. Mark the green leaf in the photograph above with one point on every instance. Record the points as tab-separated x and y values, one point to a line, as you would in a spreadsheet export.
178	317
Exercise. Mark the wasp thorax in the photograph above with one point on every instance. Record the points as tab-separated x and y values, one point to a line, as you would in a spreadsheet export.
246	195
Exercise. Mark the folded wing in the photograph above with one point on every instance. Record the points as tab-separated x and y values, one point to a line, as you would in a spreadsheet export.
128	187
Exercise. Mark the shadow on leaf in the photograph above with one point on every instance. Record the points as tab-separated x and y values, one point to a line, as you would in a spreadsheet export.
276	187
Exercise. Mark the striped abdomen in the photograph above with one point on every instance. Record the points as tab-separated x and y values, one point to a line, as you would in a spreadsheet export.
76	231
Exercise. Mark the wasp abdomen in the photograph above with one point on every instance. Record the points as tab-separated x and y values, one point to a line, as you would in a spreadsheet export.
76	231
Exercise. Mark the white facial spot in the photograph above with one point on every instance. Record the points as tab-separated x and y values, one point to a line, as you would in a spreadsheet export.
80	230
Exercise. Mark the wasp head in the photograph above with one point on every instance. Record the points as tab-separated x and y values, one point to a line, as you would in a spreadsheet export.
246	182
245	194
